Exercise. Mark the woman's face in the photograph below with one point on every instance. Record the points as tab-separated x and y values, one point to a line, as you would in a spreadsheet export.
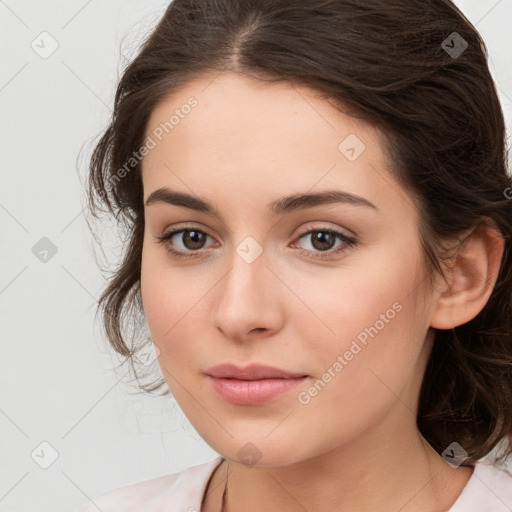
276	285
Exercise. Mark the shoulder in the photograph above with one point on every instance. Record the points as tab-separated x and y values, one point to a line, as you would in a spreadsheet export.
489	489
181	491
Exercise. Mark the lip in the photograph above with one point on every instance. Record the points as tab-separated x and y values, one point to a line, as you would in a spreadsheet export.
251	372
253	385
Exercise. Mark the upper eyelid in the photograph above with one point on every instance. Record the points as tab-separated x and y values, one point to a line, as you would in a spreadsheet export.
306	230
309	226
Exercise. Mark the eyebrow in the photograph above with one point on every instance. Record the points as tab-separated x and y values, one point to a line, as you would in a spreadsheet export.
286	204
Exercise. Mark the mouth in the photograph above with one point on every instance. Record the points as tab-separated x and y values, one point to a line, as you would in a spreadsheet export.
252	385
252	372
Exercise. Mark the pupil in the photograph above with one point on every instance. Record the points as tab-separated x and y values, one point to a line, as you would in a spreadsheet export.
196	239
323	240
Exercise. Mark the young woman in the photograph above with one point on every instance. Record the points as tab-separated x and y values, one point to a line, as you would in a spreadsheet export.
319	227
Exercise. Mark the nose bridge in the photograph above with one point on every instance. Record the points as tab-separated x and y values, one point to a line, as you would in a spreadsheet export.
247	272
246	299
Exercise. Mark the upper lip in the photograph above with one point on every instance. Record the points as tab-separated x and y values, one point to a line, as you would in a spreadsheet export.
251	372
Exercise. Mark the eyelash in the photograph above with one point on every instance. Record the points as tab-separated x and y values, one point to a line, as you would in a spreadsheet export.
347	243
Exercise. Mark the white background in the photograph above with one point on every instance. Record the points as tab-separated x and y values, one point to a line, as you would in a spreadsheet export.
57	382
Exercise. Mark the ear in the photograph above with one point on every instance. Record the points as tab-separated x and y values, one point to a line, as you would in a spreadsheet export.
471	277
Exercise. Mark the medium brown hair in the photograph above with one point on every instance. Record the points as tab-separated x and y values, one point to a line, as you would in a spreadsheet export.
393	65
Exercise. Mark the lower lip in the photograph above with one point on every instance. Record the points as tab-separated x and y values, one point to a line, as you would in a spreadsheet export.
252	392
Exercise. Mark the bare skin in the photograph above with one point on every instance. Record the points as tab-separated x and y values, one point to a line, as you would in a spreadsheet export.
354	444
443	486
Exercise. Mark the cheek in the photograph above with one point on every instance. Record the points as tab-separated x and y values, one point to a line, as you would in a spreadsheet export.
175	304
163	299
164	305
371	366
373	329
358	299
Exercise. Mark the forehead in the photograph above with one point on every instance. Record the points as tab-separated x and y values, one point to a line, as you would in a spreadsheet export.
236	110
228	130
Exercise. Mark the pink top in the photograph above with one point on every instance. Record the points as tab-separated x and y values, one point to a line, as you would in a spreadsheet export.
488	490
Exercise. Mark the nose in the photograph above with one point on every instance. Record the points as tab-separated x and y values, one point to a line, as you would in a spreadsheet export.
249	300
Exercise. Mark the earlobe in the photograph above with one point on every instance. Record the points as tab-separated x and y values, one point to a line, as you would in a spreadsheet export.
471	277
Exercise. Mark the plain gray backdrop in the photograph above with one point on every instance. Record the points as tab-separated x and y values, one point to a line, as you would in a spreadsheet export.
71	428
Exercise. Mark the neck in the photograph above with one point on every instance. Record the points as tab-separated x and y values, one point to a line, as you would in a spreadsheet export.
410	477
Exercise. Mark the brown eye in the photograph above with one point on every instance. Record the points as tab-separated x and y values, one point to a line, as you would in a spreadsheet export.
183	243
193	239
324	240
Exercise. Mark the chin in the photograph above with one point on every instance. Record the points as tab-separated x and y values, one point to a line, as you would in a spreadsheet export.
260	452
